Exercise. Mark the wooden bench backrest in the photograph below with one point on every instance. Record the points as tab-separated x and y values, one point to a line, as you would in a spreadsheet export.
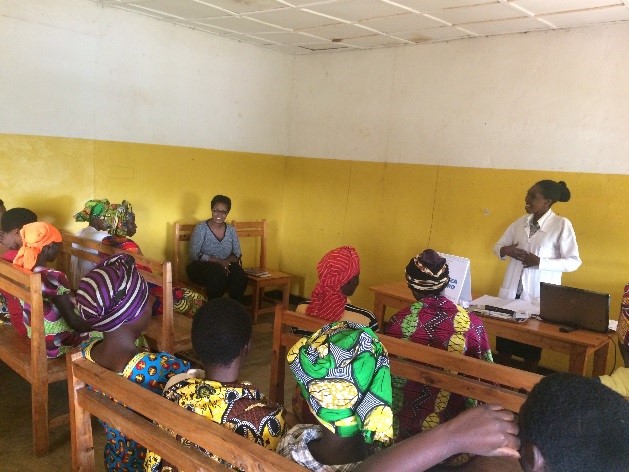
26	286
181	238
149	410
489	383
27	357
155	272
256	230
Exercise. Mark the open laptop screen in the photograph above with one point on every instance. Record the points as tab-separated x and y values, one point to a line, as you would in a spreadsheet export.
574	307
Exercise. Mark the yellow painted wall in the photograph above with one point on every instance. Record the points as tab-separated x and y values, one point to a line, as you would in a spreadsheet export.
388	212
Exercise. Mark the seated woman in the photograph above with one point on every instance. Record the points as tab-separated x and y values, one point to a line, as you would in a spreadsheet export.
62	327
120	222
221	336
214	254
339	273
12	222
343	372
112	299
437	322
94	214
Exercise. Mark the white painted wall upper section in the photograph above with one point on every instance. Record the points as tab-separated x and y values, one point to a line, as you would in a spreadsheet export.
550	101
554	100
71	68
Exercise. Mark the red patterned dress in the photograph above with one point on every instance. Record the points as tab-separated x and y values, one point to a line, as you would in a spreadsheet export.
439	323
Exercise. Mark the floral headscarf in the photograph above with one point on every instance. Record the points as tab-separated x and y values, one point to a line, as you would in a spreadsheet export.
427	272
117	216
343	373
93	209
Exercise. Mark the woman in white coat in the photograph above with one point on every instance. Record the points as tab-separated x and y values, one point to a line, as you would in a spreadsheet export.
541	246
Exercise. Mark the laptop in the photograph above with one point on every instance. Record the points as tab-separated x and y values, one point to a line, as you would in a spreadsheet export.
574	307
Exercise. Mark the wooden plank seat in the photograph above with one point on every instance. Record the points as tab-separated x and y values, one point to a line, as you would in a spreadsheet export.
27	357
259	284
488	383
169	332
147	410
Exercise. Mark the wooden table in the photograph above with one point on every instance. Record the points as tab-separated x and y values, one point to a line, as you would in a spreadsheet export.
579	345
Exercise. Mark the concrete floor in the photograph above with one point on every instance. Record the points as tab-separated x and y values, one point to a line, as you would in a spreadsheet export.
15	417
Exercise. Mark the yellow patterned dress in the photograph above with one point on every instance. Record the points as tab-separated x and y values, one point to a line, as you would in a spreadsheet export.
239	407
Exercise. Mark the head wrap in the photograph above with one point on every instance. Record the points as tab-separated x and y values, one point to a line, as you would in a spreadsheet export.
34	237
117	216
427	272
112	293
343	373
335	269
93	209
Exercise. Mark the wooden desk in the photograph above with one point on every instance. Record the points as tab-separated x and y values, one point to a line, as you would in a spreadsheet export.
579	345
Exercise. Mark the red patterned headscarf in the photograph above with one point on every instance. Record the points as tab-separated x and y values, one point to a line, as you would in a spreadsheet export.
335	269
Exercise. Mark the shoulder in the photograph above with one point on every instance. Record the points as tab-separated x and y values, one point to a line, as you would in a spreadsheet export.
200	227
166	360
229	229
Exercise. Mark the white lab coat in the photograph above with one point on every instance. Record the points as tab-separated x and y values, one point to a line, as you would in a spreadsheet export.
80	267
554	243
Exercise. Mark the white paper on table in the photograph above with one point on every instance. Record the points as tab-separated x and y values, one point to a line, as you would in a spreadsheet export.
515	305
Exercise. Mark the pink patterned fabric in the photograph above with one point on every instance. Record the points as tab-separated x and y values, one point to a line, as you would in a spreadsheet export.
623	320
439	323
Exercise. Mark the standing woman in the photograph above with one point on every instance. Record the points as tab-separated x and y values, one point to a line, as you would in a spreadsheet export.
214	254
541	245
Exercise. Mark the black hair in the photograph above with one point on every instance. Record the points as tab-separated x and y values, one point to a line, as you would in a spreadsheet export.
220	329
1	202
15	218
555	191
221	199
577	423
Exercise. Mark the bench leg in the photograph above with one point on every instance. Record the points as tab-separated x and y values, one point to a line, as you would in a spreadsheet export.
256	299
39	412
81	438
285	295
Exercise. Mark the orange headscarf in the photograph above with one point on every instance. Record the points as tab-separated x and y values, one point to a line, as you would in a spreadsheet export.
34	237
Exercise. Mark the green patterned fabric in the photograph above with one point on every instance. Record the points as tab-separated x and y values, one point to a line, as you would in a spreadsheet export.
343	373
93	209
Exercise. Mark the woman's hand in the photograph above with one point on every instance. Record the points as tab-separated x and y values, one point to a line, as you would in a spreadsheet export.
486	430
528	259
508	251
225	264
66	306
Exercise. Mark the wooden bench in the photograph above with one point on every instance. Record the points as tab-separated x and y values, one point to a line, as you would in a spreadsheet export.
474	378
244	229
169	332
139	423
27	357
